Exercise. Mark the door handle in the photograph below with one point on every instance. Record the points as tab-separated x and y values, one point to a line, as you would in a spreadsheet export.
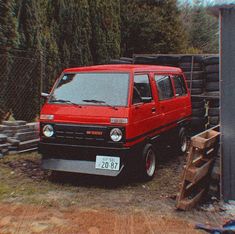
153	109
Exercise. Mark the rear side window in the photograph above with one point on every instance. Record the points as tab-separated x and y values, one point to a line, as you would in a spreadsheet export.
142	88
164	86
180	88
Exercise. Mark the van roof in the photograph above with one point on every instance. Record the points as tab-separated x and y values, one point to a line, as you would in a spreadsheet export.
124	67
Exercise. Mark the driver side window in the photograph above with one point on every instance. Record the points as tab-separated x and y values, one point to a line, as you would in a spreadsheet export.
142	89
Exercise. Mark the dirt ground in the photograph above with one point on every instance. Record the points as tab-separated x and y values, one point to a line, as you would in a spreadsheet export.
36	201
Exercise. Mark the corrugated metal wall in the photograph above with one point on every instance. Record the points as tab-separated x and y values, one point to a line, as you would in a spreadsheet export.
228	102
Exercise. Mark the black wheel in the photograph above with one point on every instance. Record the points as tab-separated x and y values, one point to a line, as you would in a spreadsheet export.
198	103
196	75
212	77
189	66
214	111
212	68
168	60
127	59
199	112
212	86
148	163
214	120
195	83
214	103
119	61
181	145
199	122
188	59
211	60
196	91
211	126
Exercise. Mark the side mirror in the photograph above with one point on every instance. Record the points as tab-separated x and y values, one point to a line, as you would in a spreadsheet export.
44	95
146	99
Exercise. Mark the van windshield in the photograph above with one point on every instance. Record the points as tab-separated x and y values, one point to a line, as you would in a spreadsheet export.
107	89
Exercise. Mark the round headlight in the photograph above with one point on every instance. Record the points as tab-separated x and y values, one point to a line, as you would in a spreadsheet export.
116	134
48	131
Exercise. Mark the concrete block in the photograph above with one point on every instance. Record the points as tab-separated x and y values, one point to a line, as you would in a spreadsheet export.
28	144
34	126
14	123
8	133
4	146
27	136
4	127
12	141
3	138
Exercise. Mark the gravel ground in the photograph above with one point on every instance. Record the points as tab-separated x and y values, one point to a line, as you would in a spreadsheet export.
37	201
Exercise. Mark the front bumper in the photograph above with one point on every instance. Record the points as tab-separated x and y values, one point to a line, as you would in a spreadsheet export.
78	166
81	158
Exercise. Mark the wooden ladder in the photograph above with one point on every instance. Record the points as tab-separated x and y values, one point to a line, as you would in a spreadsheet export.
196	174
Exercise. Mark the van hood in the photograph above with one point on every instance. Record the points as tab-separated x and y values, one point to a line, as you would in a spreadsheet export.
100	115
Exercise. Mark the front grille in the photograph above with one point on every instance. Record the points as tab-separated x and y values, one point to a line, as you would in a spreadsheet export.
81	135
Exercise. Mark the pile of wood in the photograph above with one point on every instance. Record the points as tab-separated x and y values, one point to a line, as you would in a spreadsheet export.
197	172
18	137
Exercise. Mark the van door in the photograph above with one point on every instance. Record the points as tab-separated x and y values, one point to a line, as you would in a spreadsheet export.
166	99
143	109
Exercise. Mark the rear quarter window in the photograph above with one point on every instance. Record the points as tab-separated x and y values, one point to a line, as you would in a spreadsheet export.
164	87
180	87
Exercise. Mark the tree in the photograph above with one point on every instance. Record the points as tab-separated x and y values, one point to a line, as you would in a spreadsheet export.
8	24
202	28
151	27
8	40
105	24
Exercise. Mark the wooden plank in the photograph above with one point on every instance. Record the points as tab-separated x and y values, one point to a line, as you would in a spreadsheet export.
194	174
188	204
205	140
182	184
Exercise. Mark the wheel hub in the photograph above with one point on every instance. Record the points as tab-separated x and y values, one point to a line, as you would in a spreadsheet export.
150	163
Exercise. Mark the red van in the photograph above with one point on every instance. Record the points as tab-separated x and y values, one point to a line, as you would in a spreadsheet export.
102	119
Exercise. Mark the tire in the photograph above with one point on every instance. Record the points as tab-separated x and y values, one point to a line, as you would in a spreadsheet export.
212	86
127	59
214	103
213	93
196	130
119	61
196	83
214	120
168	60
198	122
212	77
145	60
211	60
188	66
148	163
214	111
199	112
211	126
214	68
188	59
181	145
198	104
196	91
196	75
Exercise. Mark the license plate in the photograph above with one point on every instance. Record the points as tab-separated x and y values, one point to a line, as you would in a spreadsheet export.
107	163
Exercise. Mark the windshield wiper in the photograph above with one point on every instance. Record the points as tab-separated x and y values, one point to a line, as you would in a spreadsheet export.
99	102
66	101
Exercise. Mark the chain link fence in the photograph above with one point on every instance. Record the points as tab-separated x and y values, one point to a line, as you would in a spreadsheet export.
21	77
